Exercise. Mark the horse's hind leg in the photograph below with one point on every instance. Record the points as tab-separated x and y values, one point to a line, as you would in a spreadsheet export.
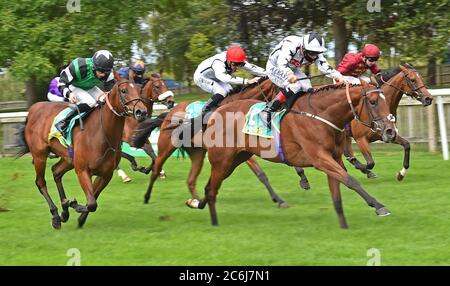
335	191
406	146
254	166
304	183
197	156
221	168
39	166
99	185
59	169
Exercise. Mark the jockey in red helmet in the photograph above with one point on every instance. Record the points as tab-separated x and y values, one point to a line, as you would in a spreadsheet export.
354	65
215	74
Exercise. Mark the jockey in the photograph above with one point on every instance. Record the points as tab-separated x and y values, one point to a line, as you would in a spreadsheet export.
78	83
353	65
283	68
214	75
134	73
54	94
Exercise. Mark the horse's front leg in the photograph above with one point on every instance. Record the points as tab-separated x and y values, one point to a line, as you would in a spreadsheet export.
363	145
406	146
99	184
148	148
132	160
85	180
304	183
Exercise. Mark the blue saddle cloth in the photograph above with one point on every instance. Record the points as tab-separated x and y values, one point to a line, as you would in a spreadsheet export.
254	125
194	109
54	133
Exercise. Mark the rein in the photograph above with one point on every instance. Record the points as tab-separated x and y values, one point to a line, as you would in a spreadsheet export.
355	115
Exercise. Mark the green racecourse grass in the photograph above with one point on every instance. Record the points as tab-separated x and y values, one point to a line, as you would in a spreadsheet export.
251	231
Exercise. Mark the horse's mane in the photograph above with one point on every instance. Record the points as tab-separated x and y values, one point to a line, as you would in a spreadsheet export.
331	87
390	73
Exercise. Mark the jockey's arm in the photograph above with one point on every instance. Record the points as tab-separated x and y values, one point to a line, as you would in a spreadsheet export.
67	76
254	69
222	75
325	68
288	50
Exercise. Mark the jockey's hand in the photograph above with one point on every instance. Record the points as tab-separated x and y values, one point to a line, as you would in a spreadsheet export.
253	80
292	78
342	79
72	98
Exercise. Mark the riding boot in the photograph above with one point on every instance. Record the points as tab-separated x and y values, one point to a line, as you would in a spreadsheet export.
266	113
210	106
62	125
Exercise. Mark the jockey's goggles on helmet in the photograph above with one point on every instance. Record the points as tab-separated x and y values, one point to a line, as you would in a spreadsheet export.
102	70
138	72
372	59
236	64
312	53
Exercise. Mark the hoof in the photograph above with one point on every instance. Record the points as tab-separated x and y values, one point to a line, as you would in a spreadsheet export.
56	222
64	216
283	205
146	200
82	220
126	179
162	175
192	203
400	176
382	211
305	185
371	175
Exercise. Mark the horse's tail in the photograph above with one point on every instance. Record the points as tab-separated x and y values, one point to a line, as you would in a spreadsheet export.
22	143
145	129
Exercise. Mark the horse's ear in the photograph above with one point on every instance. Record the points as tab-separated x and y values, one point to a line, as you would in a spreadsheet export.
116	75
402	67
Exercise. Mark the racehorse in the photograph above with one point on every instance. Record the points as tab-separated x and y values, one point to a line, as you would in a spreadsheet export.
402	80
155	90
311	135
96	149
264	89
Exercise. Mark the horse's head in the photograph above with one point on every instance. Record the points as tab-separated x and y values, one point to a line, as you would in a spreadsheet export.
157	91
379	117
124	100
412	85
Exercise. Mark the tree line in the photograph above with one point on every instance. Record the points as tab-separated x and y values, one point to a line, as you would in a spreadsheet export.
38	36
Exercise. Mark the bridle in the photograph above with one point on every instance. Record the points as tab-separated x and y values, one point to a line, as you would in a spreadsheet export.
415	91
124	103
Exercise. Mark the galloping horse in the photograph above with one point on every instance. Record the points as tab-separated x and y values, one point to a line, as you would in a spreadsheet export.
96	149
402	80
155	90
309	137
264	89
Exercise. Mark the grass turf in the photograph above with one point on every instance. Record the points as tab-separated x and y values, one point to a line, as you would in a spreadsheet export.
251	231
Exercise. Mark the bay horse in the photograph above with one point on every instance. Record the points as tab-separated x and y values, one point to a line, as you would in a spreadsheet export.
402	80
311	135
155	90
96	149
264	89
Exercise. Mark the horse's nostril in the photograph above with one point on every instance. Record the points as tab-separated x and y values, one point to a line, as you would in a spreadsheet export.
428	101
390	132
